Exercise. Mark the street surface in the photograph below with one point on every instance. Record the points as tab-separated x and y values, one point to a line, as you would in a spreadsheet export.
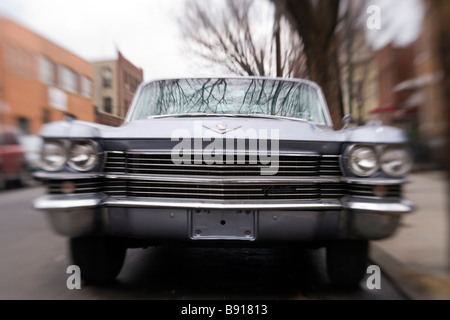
34	260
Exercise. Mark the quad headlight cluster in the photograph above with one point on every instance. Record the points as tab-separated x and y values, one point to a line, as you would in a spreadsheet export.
366	161
81	155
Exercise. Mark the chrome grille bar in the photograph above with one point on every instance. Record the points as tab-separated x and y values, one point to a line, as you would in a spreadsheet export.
158	189
289	165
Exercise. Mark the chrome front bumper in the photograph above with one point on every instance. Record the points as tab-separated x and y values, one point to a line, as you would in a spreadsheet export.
167	220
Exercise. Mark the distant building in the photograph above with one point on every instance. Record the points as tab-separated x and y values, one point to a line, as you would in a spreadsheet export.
411	94
428	89
40	81
115	82
357	66
395	66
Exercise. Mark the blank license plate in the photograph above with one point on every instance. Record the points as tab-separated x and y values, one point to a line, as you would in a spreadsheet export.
223	225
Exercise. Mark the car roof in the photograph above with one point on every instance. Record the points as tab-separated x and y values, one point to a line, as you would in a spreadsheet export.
8	129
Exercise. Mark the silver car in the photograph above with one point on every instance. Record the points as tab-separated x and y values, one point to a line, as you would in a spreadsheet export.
219	162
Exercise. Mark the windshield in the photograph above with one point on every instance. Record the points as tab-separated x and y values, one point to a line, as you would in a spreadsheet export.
292	99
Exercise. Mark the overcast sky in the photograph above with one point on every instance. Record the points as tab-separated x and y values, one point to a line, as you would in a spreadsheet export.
147	33
401	22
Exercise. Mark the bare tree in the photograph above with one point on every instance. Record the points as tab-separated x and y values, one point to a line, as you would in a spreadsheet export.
231	37
355	55
315	22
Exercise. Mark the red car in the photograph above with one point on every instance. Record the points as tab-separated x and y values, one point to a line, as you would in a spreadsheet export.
12	158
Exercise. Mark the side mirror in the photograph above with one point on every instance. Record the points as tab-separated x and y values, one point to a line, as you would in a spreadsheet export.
347	120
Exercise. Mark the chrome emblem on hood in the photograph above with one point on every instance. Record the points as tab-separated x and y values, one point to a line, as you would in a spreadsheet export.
221	128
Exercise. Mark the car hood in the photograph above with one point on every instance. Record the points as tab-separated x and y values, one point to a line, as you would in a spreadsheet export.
225	127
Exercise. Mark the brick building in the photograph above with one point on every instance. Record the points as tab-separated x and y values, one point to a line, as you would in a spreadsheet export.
115	82
40	81
395	66
411	93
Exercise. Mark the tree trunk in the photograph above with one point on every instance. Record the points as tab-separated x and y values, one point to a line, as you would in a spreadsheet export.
315	22
441	28
324	70
277	35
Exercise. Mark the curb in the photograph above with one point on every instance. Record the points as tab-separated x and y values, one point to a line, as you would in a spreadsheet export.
414	285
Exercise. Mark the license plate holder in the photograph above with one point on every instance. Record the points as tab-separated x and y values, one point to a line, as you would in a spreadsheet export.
222	224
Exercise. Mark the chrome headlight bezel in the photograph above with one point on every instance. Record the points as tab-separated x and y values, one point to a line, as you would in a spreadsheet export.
396	154
45	154
354	160
90	151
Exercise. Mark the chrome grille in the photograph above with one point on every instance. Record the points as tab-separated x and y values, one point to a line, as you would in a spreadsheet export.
361	190
293	165
330	166
115	163
128	175
80	186
115	188
120	188
161	189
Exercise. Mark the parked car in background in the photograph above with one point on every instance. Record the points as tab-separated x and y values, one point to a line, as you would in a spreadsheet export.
12	158
224	162
33	148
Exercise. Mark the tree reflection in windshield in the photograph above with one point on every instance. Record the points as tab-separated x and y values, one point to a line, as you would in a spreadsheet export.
230	96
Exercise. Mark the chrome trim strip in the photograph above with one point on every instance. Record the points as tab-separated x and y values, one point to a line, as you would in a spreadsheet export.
65	202
225	152
234	205
330	156
41	175
386	206
376	182
65	175
74	202
222	181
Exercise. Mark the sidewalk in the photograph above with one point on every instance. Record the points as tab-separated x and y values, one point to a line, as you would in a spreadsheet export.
417	258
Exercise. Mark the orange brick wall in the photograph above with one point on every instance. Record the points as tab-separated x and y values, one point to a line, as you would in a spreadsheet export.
25	94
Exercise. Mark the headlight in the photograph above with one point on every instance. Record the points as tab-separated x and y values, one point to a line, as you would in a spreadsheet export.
363	161
396	162
53	156
83	155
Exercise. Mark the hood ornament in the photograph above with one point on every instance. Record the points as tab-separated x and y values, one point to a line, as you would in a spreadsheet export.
222	128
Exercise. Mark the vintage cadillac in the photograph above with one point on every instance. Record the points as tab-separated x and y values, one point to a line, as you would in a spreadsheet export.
224	162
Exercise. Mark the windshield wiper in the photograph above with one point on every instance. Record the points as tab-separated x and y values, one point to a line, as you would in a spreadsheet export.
183	115
192	115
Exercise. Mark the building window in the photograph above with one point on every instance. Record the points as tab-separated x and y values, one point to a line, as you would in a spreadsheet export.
46	116
69	117
68	79
107	78
107	104
24	125
20	62
47	71
86	87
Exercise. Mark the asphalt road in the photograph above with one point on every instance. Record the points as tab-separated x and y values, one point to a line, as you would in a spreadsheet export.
34	261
